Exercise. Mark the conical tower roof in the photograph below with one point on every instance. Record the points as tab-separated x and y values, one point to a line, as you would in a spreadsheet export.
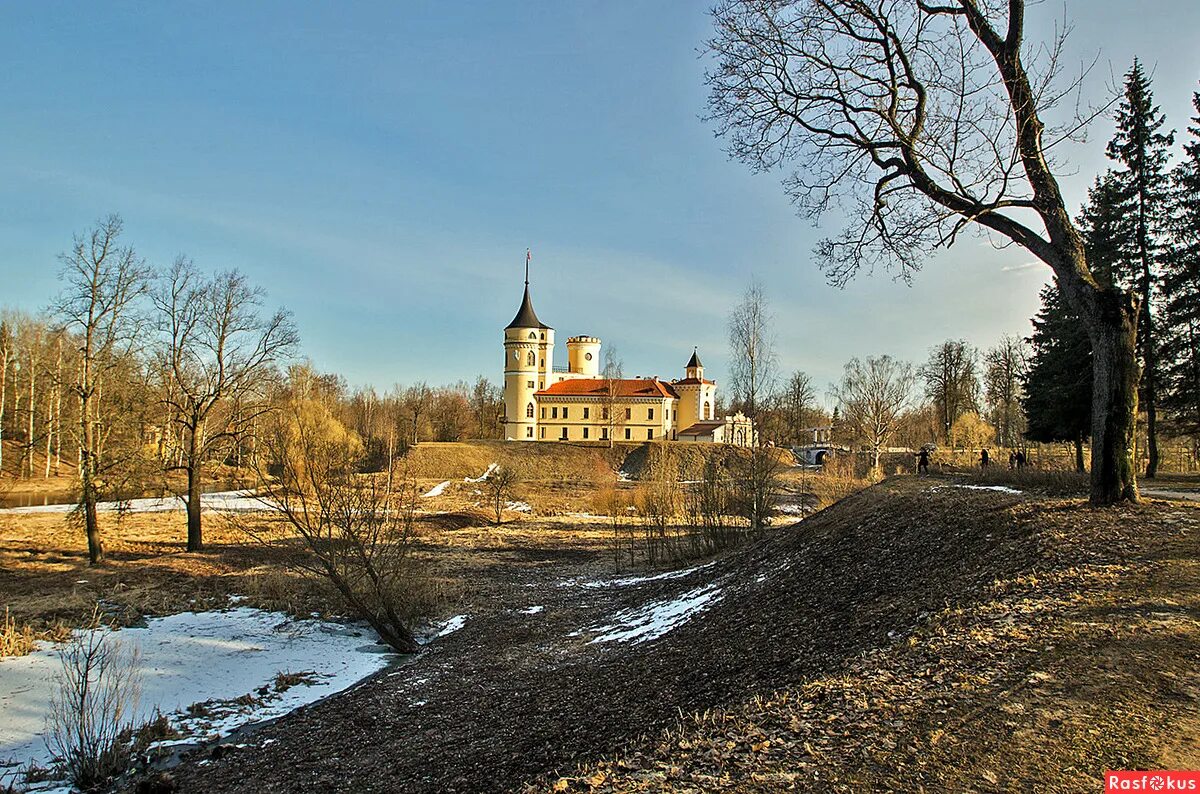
694	361
526	316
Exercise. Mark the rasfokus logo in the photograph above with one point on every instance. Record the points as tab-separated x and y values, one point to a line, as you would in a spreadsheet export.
1156	780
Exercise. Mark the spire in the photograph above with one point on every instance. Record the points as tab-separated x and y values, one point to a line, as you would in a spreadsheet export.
694	361
526	316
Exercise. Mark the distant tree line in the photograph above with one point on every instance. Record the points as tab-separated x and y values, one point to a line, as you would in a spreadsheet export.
136	379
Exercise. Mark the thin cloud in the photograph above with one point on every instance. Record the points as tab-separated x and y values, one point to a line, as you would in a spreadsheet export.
1021	268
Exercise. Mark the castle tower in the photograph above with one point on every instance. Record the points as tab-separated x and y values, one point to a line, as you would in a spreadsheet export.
697	396
528	368
583	356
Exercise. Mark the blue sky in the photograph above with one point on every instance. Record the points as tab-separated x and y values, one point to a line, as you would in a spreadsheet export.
380	168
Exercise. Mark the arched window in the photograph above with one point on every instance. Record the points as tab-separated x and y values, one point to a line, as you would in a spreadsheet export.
533	335
529	411
531	359
707	410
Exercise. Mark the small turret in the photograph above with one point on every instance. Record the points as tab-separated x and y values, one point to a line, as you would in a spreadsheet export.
694	368
583	355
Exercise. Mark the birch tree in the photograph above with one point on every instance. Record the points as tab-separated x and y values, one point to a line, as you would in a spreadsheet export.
102	284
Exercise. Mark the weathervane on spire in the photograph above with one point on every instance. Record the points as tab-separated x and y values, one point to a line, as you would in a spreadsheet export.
528	256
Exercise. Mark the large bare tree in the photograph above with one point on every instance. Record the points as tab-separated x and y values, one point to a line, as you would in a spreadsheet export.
102	283
872	397
217	347
922	118
951	382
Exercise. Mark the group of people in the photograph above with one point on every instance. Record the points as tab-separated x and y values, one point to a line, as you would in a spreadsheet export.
1016	460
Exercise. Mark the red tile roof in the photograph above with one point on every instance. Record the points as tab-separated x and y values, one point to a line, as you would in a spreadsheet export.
598	387
693	382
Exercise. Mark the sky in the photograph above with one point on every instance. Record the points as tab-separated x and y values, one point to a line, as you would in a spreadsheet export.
381	168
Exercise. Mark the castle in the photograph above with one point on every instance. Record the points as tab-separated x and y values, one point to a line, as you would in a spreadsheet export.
543	402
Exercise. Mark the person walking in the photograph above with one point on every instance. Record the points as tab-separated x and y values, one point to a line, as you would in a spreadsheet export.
983	459
923	461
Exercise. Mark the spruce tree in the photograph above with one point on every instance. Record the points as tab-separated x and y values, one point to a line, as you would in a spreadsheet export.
1181	288
1058	383
1142	150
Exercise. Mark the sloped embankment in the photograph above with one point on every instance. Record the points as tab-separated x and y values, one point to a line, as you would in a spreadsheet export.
515	697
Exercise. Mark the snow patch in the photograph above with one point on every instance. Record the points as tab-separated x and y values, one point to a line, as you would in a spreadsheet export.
194	657
624	476
518	507
436	490
220	501
627	581
532	610
448	626
656	618
486	473
1000	488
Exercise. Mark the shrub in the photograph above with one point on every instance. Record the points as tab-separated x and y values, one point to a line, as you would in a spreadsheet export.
91	713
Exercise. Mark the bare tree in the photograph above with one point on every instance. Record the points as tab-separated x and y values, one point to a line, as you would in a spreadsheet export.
6	356
611	411
752	379
216	349
356	529
103	282
1006	365
417	402
487	403
871	397
500	483
798	400
951	382
752	371
924	118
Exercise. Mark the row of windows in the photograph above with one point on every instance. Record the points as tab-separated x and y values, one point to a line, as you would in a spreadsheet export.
564	434
587	414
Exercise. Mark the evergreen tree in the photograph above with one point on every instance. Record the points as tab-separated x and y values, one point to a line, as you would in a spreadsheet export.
1058	383
1181	288
1141	150
1105	222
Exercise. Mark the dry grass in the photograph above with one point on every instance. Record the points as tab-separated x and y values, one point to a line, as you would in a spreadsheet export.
15	640
535	462
1053	482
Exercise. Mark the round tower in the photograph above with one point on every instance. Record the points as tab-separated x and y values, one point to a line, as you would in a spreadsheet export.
583	356
528	352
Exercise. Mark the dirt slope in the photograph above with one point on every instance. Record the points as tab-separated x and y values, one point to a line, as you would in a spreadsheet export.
912	635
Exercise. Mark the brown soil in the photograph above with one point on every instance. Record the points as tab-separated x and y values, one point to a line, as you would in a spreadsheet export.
914	636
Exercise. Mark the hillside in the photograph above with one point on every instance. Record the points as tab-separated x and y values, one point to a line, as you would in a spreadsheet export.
915	634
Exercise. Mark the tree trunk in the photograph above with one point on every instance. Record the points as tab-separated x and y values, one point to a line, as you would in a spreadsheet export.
1079	467
195	538
1112	325
87	478
1150	389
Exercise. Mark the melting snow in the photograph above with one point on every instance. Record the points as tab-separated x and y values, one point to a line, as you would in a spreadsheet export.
626	581
448	626
531	610
656	618
222	501
436	490
1001	488
518	507
195	657
486	473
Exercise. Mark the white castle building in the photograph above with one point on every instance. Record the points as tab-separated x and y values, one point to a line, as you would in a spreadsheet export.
544	402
